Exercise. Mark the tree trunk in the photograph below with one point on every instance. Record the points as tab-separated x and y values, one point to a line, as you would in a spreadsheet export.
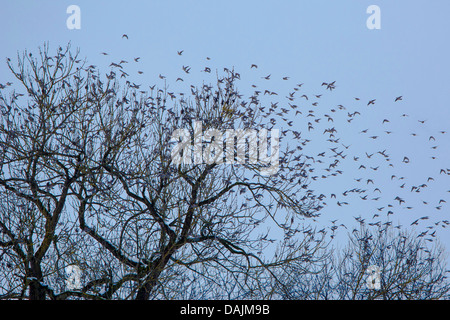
158	266
37	291
144	292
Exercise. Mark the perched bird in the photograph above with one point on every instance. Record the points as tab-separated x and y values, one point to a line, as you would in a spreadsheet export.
227	110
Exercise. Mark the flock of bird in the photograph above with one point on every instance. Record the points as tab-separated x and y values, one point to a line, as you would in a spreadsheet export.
303	114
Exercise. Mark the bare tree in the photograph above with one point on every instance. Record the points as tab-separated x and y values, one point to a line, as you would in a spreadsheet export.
154	194
42	157
381	262
88	177
410	266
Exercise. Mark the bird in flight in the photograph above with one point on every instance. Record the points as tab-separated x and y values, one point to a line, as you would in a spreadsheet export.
180	52
398	98
124	36
186	69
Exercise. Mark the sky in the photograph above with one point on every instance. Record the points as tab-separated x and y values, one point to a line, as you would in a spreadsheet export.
310	42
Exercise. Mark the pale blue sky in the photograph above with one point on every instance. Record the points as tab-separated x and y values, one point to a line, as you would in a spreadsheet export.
309	41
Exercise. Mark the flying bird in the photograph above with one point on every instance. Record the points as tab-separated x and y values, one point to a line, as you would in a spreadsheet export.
186	69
